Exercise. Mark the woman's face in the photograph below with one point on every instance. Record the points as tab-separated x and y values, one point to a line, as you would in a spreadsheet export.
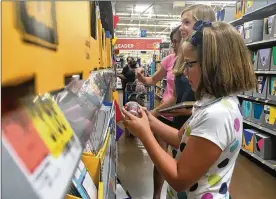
191	67
187	24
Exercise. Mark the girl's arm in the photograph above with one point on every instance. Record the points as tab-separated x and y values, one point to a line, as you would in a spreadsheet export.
169	134
194	162
156	77
200	153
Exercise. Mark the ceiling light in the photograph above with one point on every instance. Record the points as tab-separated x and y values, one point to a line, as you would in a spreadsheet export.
157	15
145	25
178	4
215	3
141	8
133	28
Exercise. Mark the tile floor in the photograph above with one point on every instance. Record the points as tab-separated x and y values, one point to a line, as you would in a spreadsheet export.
249	181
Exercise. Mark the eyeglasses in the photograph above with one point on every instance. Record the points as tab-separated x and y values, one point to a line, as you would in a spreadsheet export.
189	64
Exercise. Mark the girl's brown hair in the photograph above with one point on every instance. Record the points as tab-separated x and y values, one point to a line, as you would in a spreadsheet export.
225	62
199	12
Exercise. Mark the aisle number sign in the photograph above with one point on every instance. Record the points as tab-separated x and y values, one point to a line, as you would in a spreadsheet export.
43	145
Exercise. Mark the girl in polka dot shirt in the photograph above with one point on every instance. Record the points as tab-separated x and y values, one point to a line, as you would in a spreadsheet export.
217	65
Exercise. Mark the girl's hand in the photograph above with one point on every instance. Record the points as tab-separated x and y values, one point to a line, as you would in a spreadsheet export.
155	113
138	126
140	75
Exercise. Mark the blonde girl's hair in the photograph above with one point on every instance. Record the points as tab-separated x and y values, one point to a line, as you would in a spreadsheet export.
199	12
225	62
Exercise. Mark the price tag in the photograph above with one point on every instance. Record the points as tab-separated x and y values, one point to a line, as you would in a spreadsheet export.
257	99
266	101
21	135
51	125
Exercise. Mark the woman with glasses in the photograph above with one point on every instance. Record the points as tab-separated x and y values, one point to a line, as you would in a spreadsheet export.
218	66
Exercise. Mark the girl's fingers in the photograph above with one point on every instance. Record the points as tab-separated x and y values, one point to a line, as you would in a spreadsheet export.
126	113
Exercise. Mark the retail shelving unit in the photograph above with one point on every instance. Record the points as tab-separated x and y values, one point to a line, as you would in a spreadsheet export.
269	163
50	128
259	14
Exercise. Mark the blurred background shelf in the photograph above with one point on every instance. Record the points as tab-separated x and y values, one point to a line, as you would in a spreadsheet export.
262	44
256	99
270	163
258	126
260	13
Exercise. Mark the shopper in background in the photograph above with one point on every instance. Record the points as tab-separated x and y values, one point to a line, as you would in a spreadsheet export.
182	90
128	75
218	66
166	70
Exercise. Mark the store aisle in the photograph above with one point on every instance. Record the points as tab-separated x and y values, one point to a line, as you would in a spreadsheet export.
135	172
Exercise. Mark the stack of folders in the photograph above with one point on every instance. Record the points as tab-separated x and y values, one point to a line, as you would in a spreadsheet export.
99	130
81	102
82	185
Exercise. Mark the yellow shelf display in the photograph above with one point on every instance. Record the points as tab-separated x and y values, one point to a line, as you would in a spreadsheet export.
63	48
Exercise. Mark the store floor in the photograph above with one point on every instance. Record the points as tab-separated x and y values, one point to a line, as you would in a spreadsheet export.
135	172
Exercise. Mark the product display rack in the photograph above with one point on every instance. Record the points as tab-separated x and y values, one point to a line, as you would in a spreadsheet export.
258	14
269	163
262	44
260	127
47	124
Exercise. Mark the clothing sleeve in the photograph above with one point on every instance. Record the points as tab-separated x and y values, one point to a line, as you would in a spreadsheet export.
165	63
213	126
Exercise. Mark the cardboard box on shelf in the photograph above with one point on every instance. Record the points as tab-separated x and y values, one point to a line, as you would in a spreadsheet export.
255	58
273	59
272	88
264	56
258	113
265	146
270	116
261	91
253	5
269	28
247	108
248	141
253	31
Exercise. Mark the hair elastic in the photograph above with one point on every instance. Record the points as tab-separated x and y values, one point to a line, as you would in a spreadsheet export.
198	34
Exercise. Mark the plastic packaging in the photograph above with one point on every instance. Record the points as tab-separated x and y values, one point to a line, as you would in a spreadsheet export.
133	108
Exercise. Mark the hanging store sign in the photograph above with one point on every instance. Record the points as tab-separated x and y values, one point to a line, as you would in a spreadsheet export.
138	44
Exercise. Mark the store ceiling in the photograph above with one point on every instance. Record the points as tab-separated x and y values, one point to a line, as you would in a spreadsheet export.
158	17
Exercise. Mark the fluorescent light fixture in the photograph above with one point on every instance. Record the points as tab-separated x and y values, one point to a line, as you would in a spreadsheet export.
133	28
178	4
158	15
141	8
215	3
144	25
149	32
